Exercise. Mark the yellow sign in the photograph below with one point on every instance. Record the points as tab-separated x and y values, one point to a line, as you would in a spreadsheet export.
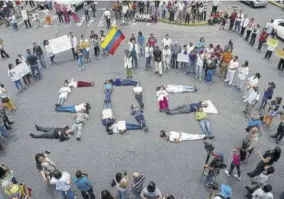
272	42
85	44
280	53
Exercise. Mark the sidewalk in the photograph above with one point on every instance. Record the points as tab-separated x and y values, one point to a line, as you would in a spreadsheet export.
279	5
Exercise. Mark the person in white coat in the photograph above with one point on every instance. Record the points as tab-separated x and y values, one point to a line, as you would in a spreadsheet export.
242	75
233	66
134	50
49	51
25	16
199	64
125	9
128	64
176	137
167	54
251	101
148	55
250	83
74	44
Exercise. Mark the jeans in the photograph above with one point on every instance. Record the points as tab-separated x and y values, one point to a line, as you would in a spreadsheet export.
268	54
252	39
141	120
191	66
141	49
139	99
35	69
18	84
122	194
108	23
87	15
210	73
263	102
174	61
107	105
108	95
209	178
15	26
135	61
49	5
133	126
148	62
128	82
248	35
70	109
237	26
86	194
67	194
41	60
260	43
138	195
199	72
180	109
80	62
3	130
205	127
232	167
242	31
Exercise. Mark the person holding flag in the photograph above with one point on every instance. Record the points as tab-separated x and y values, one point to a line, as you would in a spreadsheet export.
112	40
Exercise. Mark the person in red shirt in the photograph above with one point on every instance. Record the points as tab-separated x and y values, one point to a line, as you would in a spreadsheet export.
262	39
233	19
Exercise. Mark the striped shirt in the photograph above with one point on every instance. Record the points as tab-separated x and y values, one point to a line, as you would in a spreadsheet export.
137	185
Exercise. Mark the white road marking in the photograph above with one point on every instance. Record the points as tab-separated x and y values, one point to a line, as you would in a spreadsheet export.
81	22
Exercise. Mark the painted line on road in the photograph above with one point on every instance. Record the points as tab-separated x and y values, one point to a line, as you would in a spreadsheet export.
81	22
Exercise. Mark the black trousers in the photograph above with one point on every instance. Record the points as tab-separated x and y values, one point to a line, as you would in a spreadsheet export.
52	59
231	24
252	39
47	133
97	51
4	54
172	16
174	61
233	166
259	168
108	23
32	3
245	154
187	18
7	122
268	54
260	43
281	64
87	15
73	52
248	34
27	23
279	135
59	14
243	31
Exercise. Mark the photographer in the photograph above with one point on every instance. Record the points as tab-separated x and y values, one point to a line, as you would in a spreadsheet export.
214	167
121	182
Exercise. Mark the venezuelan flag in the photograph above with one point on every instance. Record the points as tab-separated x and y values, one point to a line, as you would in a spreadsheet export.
112	40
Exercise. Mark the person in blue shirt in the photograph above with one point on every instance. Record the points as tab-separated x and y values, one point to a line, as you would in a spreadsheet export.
83	183
108	90
255	121
267	95
139	117
187	108
200	45
141	43
123	82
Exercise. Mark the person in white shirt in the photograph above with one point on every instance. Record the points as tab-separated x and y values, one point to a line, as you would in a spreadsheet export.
62	182
263	193
167	42
190	47
209	51
176	137
172	88
250	27
134	50
107	16
108	117
215	4
125	9
166	57
49	51
128	64
74	44
233	65
178	15
63	93
269	27
243	72
78	84
251	100
239	19
84	107
244	24
25	16
138	94
148	55
162	98
122	126
250	83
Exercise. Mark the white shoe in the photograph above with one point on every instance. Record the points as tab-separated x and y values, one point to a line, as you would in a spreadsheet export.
244	97
244	101
227	172
83	68
237	177
226	80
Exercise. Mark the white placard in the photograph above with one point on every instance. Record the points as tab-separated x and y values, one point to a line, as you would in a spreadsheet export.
182	58
20	71
210	108
60	44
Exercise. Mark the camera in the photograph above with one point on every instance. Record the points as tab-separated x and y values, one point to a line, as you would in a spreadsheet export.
208	147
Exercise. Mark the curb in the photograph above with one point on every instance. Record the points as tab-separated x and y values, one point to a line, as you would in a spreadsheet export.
204	23
275	4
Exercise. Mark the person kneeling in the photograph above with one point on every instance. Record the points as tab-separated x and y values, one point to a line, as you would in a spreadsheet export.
177	137
138	115
52	133
122	126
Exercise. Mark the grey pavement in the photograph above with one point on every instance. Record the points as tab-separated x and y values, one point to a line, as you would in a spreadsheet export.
176	168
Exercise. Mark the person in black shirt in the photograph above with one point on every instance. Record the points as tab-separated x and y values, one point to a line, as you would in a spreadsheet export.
52	133
39	53
158	61
7	122
280	130
32	61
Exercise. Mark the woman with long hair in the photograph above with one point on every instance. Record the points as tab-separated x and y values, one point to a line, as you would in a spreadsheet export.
49	52
15	77
45	165
267	159
105	194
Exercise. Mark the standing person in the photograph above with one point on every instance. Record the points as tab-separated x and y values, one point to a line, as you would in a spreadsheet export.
96	45
138	94
250	27
94	9
211	67
280	64
255	32
107	16
3	129
86	10
270	27
148	55
65	12
244	25
250	83
7	122
162	98
243	72
200	45
225	60
14	23
2	50
175	51
251	101
80	119
164	10
233	66
272	111
25	16
32	61
74	43
6	99
62	182
128	64
233	19
49	51
121	182
137	184
74	13
47	16
15	77
39	53
262	39
134	50
158	61
83	183
239	19
167	42
248	144
183	65
141	43
166	57
215	4
58	10
152	40
85	48
269	157
199	65
272	43
235	164
192	62
267	95
151	192
280	130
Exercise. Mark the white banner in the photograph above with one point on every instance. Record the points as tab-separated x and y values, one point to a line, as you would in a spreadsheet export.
60	44
20	71
182	58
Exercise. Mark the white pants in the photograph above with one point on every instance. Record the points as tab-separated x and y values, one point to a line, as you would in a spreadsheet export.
240	83
158	67
188	137
166	63
230	76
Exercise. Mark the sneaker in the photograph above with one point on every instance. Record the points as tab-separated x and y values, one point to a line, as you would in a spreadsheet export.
227	172
237	177
145	129
32	135
83	68
78	138
211	137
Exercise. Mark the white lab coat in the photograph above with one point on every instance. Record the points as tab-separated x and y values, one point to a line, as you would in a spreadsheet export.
24	14
127	62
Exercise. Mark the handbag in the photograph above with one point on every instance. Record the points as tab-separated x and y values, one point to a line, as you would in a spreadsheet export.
201	115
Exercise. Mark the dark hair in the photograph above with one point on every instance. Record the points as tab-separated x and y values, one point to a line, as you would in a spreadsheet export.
246	63
162	133
202	38
151	186
267	188
277	154
236	57
2	173
10	66
270	170
140	33
258	75
57	174
18	61
79	174
105	194
279	100
66	81
170	197
111	81
37	156
261	117
118	177
45	42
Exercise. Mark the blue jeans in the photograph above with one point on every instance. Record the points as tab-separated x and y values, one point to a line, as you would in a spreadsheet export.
70	109
263	102
205	127
209	178
49	5
15	26
237	26
80	61
35	69
3	131
164	14
199	72
191	65
139	99
133	126
141	120
107	105
108	95
128	82
134	61
148	62
67	194
141	49
18	84
210	73
122	194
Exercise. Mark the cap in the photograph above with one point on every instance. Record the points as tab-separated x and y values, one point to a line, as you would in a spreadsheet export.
225	191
